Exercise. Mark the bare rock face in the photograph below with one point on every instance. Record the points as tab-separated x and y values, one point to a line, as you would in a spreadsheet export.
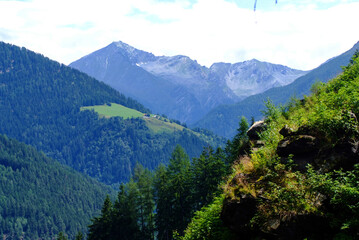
297	145
254	131
305	146
342	156
236	214
300	226
286	131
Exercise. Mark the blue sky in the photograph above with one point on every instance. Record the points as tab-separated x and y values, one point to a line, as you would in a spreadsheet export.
298	33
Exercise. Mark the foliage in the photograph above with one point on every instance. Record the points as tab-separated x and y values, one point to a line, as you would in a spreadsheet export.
132	214
237	146
173	194
155	207
206	224
41	198
342	188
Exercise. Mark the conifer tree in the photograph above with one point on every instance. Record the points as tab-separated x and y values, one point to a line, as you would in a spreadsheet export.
100	229
207	172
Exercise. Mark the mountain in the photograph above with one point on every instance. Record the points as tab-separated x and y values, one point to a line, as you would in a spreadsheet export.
41	104
178	86
253	77
253	105
40	197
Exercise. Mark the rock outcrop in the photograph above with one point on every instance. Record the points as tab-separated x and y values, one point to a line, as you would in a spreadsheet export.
306	146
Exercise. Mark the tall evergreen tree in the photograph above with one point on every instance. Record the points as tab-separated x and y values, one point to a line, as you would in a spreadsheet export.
238	144
145	203
177	195
100	229
207	172
125	214
163	204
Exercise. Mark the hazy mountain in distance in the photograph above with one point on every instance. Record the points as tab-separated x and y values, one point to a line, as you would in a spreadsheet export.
252	106
178	86
252	77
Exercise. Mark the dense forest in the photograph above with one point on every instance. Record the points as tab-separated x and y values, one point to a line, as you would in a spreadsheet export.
157	205
40	103
39	197
294	175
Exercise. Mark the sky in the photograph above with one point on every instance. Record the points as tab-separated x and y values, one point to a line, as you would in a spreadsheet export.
300	34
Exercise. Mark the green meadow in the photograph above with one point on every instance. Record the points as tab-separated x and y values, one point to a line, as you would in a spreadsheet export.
114	110
156	124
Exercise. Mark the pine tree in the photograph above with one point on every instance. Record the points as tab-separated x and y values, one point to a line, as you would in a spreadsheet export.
61	236
125	214
207	172
79	236
101	226
235	147
163	204
145	202
174	192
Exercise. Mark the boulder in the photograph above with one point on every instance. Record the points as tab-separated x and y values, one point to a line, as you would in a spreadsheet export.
254	131
286	131
297	145
237	213
303	150
342	156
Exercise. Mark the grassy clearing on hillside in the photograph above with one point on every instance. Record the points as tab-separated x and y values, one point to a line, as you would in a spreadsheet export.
114	110
158	126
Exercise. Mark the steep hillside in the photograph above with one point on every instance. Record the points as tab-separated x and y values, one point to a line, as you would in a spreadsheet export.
178	86
252	106
40	197
296	173
40	105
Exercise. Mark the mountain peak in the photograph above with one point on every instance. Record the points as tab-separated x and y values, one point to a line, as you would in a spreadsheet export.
133	54
124	46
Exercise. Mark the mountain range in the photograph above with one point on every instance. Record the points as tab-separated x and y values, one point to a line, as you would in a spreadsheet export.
254	105
178	86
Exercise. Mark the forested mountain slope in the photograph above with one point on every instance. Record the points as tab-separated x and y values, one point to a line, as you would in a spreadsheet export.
40	197
40	103
252	106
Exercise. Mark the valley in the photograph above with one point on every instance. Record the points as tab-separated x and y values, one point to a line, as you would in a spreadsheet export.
171	179
179	120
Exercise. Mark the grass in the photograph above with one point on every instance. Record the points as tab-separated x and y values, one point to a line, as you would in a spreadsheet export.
157	125
114	110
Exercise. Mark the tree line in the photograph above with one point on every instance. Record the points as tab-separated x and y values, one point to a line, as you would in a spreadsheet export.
161	204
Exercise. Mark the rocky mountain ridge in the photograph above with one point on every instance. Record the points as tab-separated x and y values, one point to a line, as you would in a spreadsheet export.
255	104
178	86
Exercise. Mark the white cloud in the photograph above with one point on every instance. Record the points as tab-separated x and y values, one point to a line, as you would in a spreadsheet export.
298	35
